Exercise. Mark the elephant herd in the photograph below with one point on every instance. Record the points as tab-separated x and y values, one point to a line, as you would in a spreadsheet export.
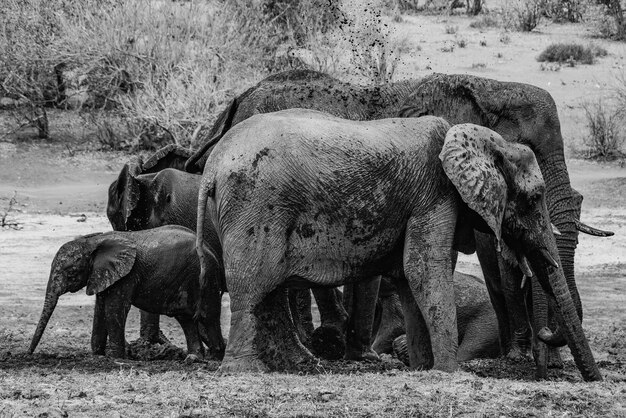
306	182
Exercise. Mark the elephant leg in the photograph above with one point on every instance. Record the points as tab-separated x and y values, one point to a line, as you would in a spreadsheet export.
428	269
99	330
516	309
277	340
195	350
329	339
211	334
391	323
300	306
149	329
489	264
417	339
262	333
330	304
116	311
360	300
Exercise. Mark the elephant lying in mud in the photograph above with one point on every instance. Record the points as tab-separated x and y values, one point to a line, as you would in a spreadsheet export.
520	113
301	198
476	321
156	193
155	270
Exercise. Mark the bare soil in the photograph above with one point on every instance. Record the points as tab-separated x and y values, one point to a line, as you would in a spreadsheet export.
60	191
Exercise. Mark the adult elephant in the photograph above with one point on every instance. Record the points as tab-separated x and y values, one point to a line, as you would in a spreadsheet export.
303	198
520	113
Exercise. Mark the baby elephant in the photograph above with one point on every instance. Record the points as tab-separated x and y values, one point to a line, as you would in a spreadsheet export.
156	270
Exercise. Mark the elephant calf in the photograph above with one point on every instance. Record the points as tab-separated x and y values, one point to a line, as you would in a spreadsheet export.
155	270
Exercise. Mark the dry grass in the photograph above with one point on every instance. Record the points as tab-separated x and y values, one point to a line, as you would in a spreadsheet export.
154	70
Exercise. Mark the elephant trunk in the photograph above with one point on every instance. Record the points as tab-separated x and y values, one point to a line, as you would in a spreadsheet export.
563	214
553	282
52	297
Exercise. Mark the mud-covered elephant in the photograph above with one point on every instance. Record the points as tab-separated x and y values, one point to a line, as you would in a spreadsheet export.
156	193
520	113
155	270
476	321
302	198
125	215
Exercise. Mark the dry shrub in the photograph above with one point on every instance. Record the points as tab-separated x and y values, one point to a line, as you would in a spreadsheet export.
571	52
566	10
523	15
606	135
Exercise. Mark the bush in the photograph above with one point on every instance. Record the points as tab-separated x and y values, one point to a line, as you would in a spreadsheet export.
570	52
523	15
608	19
605	130
566	10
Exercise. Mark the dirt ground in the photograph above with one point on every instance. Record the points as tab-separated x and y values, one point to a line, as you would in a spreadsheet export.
60	192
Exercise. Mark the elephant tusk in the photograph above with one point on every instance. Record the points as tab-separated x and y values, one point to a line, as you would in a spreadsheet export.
549	258
524	280
523	265
592	231
555	230
498	246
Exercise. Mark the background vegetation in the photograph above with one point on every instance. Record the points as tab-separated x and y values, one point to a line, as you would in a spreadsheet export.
144	73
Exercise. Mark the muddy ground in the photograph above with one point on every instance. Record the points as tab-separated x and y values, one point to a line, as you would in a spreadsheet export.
59	192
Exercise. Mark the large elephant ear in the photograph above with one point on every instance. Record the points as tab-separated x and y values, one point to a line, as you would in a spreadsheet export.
112	259
484	167
170	156
469	162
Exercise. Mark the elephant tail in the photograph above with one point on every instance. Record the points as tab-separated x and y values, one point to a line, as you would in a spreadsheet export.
207	190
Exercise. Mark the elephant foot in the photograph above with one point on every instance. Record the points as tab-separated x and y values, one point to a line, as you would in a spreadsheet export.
328	342
365	354
276	340
214	354
249	364
192	358
516	353
554	358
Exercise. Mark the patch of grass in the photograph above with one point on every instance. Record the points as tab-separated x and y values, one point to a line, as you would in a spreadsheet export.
461	42
478	65
568	52
505	38
483	42
606	135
